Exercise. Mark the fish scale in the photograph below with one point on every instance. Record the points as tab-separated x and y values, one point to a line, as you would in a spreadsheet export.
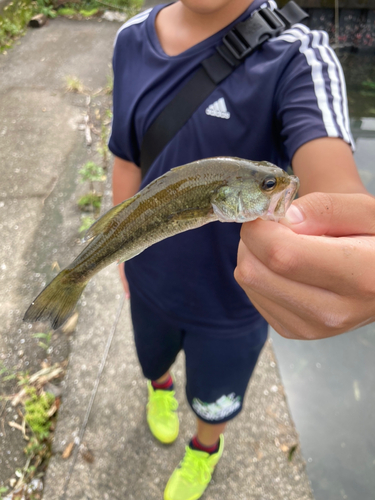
214	189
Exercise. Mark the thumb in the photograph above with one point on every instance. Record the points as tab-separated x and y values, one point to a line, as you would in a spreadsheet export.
333	214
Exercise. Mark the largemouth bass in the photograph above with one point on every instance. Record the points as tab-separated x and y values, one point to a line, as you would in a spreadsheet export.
215	189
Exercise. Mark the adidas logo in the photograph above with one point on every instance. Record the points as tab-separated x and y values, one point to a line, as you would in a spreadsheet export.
218	109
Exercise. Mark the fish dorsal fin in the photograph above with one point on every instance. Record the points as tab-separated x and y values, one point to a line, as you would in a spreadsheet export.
100	225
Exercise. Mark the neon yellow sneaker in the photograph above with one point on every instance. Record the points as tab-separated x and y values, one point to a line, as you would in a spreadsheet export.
161	414
191	477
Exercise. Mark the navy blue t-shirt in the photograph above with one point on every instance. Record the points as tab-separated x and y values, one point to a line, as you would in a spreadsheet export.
290	91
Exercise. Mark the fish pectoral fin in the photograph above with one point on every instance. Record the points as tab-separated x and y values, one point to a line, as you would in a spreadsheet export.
100	225
192	214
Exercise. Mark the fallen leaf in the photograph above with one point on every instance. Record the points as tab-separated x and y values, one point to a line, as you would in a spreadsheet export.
70	324
55	265
68	450
53	409
15	425
87	454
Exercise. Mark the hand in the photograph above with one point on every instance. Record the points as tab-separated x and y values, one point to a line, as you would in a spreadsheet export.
124	281
313	275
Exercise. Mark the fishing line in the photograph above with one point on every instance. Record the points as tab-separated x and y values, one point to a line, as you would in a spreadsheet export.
78	440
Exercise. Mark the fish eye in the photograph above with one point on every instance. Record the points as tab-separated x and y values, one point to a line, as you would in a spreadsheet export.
269	183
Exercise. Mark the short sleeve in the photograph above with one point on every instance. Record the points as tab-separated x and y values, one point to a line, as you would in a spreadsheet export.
311	99
122	138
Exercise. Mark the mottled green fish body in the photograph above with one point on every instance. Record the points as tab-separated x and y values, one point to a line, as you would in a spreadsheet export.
186	197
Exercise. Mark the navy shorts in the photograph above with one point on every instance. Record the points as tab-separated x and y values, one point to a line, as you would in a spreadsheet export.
218	369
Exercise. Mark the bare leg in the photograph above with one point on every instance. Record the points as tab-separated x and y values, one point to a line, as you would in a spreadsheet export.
208	434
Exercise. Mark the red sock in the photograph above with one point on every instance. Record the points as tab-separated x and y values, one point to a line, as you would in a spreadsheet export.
196	445
165	386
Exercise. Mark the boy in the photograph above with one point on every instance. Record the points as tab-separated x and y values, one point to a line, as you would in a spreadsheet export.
285	104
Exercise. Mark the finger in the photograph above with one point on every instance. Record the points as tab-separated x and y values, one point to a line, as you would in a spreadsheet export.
314	306
332	214
290	325
286	324
278	327
341	265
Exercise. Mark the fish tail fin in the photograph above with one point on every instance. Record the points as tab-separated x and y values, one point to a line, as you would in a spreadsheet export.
57	301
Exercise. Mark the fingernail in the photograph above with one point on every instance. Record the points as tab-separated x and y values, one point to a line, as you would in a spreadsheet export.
294	215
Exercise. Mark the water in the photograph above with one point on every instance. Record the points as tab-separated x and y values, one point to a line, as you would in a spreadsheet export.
330	383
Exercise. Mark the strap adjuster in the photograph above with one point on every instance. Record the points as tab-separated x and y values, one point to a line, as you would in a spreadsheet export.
245	37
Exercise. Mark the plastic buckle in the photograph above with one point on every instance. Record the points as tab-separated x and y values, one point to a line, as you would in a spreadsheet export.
245	37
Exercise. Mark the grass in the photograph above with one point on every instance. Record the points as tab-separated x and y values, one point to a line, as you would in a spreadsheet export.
73	84
38	409
91	172
86	223
3	490
17	14
89	200
47	337
13	22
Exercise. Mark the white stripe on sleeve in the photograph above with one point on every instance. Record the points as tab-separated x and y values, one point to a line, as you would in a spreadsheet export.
317	76
139	18
308	48
343	87
339	99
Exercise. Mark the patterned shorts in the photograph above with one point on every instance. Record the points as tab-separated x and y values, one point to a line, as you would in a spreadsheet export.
218	369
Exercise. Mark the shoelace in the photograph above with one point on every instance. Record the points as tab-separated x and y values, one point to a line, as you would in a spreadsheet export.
163	402
195	468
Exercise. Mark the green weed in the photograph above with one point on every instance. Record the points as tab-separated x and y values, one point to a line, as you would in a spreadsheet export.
73	84
46	337
89	13
46	7
17	14
86	223
6	374
108	89
88	200
36	412
39	416
91	172
66	11
3	490
291	452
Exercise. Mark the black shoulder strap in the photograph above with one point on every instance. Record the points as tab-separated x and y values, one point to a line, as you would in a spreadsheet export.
238	43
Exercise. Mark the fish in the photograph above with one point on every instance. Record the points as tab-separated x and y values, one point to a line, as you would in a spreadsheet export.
225	189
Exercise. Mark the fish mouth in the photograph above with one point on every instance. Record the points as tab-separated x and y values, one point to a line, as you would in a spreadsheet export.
281	202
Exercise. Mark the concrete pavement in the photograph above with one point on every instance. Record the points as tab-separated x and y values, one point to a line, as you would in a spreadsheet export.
41	151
